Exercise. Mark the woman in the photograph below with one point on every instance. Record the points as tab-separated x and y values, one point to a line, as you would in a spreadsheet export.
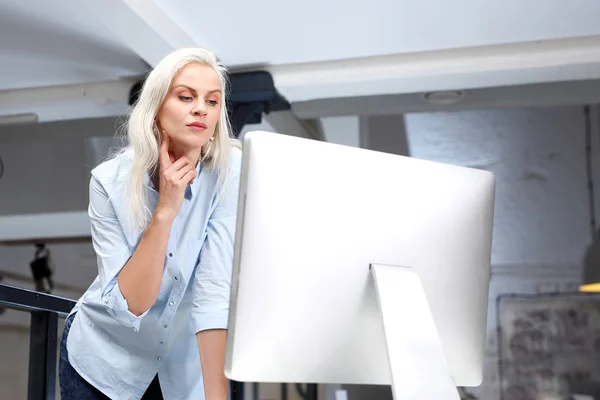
163	213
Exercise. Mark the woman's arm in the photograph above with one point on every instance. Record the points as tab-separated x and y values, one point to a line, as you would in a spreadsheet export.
141	276
212	285
211	344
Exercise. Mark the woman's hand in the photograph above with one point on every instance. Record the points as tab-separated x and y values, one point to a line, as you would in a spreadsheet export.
174	177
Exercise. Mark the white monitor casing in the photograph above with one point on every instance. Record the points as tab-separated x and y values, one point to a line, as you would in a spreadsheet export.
312	218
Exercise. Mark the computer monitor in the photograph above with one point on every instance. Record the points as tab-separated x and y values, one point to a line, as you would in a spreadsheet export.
353	266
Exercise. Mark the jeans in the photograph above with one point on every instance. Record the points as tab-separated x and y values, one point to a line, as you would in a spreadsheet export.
74	387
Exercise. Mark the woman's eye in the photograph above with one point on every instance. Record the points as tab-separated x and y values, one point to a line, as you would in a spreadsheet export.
185	98
212	102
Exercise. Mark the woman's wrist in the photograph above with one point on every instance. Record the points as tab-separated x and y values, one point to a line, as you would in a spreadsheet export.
163	216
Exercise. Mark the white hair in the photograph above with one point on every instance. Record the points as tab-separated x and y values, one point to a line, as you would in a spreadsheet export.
143	135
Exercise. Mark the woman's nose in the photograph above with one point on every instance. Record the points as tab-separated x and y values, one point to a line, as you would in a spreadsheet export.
199	109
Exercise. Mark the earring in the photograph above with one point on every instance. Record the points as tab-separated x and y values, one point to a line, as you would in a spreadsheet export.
212	138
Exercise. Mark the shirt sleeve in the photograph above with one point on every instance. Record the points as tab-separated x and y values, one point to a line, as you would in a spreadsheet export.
112	253
212	280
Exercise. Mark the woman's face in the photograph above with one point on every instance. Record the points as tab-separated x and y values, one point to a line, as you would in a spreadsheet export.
191	110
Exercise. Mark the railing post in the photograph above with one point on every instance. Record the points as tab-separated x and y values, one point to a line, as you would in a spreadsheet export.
43	335
237	390
43	342
312	391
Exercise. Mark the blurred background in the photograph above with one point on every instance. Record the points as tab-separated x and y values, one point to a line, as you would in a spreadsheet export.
508	86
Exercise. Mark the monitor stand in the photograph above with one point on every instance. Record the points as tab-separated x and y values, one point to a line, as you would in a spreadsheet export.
418	366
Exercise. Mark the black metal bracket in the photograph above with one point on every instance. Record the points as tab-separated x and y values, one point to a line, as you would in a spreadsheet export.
252	94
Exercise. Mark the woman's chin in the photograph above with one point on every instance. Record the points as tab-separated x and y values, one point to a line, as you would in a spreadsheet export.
192	142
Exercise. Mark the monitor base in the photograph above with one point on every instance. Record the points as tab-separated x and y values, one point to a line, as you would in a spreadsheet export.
418	366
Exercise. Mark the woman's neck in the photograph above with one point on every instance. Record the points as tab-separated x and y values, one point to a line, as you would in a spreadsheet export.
192	154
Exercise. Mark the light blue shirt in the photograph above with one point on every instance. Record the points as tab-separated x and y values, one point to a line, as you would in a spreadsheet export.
120	353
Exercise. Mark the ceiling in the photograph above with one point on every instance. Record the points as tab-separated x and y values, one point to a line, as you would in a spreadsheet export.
281	32
71	59
49	43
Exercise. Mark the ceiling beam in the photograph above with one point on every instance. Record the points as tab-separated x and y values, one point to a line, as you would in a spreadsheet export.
464	68
142	25
107	99
533	95
53	103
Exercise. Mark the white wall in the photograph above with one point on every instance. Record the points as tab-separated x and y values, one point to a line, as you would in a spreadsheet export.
537	156
541	226
46	166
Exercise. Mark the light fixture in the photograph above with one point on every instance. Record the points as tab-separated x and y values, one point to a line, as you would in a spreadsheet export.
18	119
590	277
444	97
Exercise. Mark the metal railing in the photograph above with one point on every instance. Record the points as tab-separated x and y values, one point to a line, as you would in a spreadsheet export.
45	310
43	335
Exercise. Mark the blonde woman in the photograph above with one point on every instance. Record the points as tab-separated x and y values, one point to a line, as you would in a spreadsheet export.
162	211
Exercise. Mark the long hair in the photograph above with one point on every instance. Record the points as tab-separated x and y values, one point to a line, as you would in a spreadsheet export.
143	137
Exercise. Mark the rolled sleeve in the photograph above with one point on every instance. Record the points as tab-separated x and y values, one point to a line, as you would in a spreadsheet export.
112	253
203	320
117	306
212	280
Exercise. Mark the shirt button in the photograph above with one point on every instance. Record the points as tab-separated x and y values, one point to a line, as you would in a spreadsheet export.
135	329
159	358
176	278
171	302
166	325
170	254
162	342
